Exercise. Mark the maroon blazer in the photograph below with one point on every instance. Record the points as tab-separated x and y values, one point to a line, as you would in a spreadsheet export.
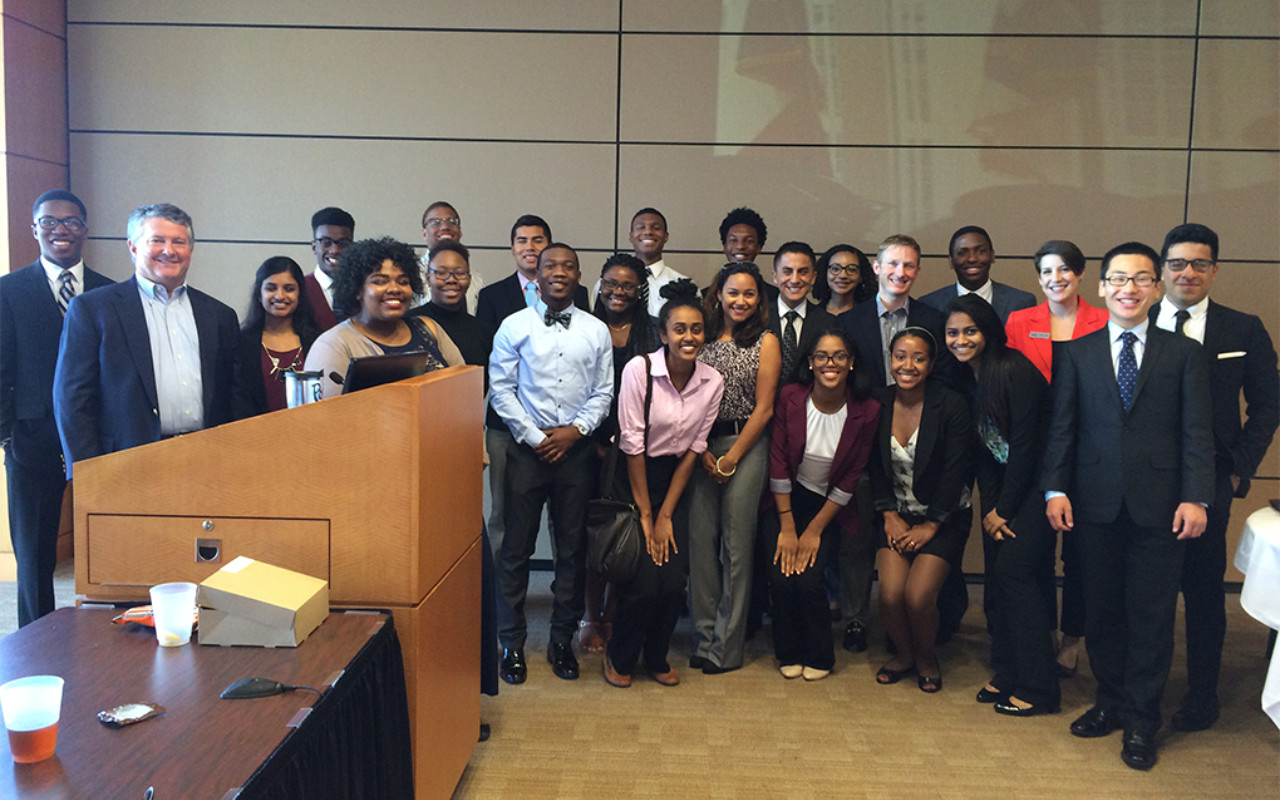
325	317
1028	332
786	446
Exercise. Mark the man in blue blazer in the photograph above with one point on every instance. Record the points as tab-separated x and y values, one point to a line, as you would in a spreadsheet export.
1241	359
1129	466
148	358
32	301
971	256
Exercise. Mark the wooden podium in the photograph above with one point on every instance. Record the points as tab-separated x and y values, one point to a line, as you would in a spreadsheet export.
377	492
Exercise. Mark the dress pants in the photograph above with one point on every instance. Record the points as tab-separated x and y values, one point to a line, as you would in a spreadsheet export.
498	444
722	534
1022	655
649	604
488	618
1204	595
568	486
1073	616
35	509
856	557
1131	577
801	619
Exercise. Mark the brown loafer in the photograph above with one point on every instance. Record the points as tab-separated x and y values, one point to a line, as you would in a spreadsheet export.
612	676
668	678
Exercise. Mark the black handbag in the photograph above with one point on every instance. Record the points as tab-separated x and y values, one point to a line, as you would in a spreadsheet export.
615	538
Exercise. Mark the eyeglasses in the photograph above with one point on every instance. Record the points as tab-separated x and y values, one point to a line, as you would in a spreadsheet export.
839	359
73	224
1142	280
1179	264
613	286
446	274
847	269
325	243
436	222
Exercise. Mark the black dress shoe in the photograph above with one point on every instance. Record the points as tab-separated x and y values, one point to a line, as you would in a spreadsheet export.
1139	751
563	662
1197	713
1095	722
716	669
986	695
1033	710
484	731
697	662
514	670
855	638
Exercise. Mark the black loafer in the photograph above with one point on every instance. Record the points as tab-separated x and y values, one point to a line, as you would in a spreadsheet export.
514	670
1095	722
697	662
716	669
986	695
1197	713
1034	710
855	638
563	662
1139	751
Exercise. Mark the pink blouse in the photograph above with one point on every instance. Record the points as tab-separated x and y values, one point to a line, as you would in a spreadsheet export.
678	421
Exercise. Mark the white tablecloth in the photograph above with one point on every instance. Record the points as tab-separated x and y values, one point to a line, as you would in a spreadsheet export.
1258	557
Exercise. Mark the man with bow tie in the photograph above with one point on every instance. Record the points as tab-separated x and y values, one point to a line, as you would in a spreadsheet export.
551	382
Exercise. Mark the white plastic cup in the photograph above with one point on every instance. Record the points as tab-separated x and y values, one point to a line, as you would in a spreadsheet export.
32	707
173	607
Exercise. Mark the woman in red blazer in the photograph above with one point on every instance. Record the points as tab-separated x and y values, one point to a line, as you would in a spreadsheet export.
1063	316
822	436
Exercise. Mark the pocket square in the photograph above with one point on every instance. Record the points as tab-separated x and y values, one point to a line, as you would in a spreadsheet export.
1232	354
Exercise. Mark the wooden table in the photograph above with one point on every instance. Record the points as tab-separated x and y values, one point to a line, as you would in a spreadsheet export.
205	747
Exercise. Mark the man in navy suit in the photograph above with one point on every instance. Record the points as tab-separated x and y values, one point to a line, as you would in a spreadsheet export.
32	302
332	231
971	256
1129	466
1241	358
147	358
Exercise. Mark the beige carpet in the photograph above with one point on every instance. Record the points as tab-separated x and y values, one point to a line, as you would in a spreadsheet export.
752	734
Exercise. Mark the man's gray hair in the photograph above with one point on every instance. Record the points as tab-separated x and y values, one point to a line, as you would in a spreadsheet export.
163	211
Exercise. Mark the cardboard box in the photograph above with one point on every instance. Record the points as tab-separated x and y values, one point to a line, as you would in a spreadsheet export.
249	602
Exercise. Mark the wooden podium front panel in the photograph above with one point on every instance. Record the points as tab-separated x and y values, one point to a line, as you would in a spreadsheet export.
117	545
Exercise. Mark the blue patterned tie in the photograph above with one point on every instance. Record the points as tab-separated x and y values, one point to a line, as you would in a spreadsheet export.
552	317
1127	372
66	291
530	294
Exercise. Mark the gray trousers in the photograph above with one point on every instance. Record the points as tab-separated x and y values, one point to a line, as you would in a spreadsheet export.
857	560
722	535
498	444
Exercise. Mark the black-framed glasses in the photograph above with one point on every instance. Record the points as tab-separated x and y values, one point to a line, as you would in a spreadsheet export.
436	222
446	274
613	286
1179	264
847	269
325	242
1143	280
73	224
839	358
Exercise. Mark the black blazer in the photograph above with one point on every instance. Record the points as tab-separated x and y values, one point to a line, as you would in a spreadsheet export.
1004	299
1150	458
944	451
104	387
1008	487
863	326
500	300
817	321
1241	358
249	369
30	326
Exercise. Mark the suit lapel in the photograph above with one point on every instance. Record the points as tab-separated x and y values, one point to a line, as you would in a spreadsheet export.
929	418
131	316
207	336
1215	333
1100	343
1150	357
43	304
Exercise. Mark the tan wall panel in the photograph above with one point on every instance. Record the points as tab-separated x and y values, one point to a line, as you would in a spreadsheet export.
35	79
561	14
1238	94
26	180
1171	17
908	90
1240	18
384	83
1023	197
1238	195
48	15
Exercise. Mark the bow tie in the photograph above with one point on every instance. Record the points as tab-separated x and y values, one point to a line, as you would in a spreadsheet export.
552	317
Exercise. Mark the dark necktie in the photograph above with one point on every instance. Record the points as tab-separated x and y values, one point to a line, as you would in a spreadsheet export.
642	291
66	291
1181	317
552	317
789	342
1127	371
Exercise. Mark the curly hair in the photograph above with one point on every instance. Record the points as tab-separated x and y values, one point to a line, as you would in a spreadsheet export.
362	259
745	334
744	216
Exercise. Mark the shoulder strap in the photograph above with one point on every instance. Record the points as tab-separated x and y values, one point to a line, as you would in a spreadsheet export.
648	398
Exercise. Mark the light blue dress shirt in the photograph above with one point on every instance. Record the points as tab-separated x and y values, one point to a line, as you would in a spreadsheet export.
175	357
549	377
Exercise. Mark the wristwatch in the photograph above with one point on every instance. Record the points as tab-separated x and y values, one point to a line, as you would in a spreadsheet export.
582	429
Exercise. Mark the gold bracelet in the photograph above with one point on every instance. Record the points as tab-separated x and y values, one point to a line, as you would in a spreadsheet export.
725	474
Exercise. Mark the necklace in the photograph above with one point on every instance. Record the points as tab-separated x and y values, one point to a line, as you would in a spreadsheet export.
621	327
277	371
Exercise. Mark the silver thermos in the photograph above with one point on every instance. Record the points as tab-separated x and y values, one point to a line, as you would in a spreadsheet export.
301	388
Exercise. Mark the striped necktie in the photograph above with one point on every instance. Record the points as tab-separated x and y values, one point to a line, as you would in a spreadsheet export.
66	291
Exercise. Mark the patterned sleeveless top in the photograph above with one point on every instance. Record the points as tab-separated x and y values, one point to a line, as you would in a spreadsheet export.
738	366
